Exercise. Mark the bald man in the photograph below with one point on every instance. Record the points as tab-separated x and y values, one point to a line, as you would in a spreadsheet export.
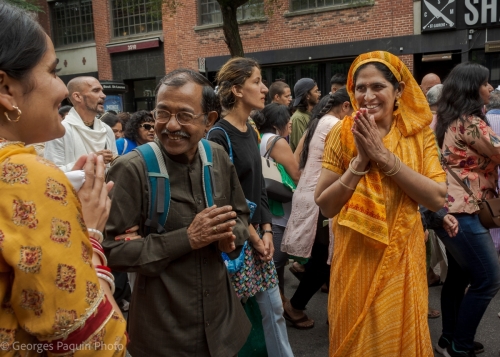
84	133
429	81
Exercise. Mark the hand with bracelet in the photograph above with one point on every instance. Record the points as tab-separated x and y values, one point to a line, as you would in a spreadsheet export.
367	137
267	238
259	244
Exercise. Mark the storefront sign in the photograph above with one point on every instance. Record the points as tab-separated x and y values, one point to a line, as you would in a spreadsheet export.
116	87
438	15
459	14
133	46
480	13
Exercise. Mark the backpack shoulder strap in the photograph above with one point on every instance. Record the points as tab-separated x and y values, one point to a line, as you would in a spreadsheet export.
159	186
227	139
206	159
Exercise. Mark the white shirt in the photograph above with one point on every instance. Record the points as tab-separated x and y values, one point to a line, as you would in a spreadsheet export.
79	140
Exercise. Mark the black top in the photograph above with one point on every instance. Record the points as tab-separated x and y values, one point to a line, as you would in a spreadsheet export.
432	220
248	164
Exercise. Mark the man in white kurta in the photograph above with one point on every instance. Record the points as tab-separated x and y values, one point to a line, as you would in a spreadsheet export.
84	134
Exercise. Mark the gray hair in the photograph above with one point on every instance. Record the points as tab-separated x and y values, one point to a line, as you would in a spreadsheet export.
434	93
494	100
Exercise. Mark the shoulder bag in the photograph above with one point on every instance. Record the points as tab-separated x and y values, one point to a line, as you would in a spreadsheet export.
276	190
489	208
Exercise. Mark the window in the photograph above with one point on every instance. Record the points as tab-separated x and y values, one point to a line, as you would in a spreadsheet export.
285	73
135	17
298	5
210	11
72	22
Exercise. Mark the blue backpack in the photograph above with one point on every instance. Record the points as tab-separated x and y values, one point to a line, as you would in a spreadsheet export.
159	183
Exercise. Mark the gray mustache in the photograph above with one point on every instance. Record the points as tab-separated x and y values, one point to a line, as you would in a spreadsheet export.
177	133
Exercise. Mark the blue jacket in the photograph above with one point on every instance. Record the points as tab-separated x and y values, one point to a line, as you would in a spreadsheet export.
125	146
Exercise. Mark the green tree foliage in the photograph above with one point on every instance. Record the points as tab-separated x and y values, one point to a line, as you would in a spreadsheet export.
30	5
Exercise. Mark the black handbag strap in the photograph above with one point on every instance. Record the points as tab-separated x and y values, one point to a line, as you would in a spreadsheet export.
275	140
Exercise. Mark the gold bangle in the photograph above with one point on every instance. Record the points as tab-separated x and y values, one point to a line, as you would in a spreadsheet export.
343	184
389	172
382	168
396	168
358	173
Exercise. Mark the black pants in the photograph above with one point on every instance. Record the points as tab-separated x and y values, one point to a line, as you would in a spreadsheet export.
122	287
317	270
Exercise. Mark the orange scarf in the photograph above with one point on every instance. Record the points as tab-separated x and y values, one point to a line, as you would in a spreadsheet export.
365	212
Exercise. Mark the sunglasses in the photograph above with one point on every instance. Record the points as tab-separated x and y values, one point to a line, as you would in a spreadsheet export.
148	127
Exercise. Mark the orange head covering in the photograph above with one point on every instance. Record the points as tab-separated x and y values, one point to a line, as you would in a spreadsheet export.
413	107
365	211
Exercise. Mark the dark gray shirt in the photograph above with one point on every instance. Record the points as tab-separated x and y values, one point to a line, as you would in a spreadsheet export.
183	303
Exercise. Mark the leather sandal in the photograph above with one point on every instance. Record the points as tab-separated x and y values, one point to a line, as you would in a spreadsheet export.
297	322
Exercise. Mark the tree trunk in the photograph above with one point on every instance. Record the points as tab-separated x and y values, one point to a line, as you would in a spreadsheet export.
230	26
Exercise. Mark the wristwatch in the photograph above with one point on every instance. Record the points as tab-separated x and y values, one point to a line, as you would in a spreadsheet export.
268	231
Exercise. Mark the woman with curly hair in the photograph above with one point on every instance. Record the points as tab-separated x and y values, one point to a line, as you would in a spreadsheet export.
138	130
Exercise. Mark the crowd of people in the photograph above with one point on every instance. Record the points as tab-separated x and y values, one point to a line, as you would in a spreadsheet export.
174	217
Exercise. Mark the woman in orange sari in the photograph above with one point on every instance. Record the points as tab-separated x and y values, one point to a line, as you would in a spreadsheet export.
378	165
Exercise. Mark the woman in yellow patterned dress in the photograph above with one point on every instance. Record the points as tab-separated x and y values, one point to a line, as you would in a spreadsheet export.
378	165
52	301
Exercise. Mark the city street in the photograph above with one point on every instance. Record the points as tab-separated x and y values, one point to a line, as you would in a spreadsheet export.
314	342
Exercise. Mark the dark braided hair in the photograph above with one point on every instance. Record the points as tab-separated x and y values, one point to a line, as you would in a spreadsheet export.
334	100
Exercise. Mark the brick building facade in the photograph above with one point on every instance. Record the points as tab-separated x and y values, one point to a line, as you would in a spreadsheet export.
313	40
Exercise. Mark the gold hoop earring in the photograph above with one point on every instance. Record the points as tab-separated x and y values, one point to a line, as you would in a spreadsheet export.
18	115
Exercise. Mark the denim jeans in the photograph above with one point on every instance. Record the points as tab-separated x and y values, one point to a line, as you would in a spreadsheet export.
273	323
472	259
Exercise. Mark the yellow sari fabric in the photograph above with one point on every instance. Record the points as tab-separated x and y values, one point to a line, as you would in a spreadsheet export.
51	303
378	291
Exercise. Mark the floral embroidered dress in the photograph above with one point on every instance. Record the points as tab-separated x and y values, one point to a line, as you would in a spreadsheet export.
50	296
472	150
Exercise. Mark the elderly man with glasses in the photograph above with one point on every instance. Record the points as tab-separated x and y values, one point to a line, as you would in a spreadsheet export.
183	303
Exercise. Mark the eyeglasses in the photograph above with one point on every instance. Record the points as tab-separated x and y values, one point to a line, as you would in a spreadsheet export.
148	127
183	118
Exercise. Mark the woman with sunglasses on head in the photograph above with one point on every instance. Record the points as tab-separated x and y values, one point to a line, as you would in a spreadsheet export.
55	286
471	150
241	90
138	130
